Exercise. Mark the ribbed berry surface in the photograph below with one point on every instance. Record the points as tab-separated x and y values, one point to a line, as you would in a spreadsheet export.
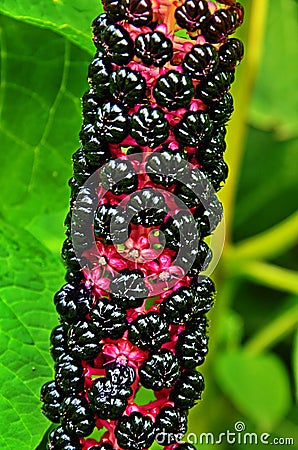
133	311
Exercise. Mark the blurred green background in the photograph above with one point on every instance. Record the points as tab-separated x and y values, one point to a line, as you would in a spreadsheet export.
252	368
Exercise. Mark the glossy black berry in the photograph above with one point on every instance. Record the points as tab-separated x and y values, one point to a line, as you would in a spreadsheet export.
69	257
147	207
200	61
102	222
114	41
119	177
51	397
191	349
96	149
120	374
99	73
217	173
171	423
73	301
198	324
82	169
91	100
208	217
149	331
160	370
100	23
127	86
185	303
69	374
112	122
77	417
188	389
190	192
204	294
173	90
219	25
61	439
201	262
220	112
180	230
213	88
154	49
230	54
137	12
108	399
149	127
135	432
194	128
83	342
166	167
108	319
58	341
212	150
128	288
192	14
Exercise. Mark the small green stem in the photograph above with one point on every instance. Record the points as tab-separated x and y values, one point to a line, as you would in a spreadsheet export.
273	332
266	274
269	244
246	75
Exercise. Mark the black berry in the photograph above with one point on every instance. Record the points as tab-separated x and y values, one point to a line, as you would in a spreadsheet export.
160	370
108	319
149	331
188	389
154	49
192	14
127	86
51	397
135	432
147	207
77	417
128	288
173	90
61	439
200	61
107	399
149	127
194	128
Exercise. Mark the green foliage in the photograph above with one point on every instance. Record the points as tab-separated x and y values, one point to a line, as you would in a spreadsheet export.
28	277
257	384
252	365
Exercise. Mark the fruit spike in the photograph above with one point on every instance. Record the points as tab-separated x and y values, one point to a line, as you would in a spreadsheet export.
133	310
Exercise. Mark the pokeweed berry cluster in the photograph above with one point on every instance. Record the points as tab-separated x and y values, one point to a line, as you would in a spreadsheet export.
133	309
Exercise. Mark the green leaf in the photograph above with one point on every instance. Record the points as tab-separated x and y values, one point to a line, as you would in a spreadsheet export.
70	18
40	120
257	385
26	316
295	363
275	99
267	189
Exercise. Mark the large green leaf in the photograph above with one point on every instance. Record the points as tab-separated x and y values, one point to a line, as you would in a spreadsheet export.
275	100
257	385
267	189
29	278
42	79
71	18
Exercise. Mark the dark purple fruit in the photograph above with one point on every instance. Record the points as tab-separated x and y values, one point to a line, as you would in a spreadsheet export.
149	127
154	49
200	61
